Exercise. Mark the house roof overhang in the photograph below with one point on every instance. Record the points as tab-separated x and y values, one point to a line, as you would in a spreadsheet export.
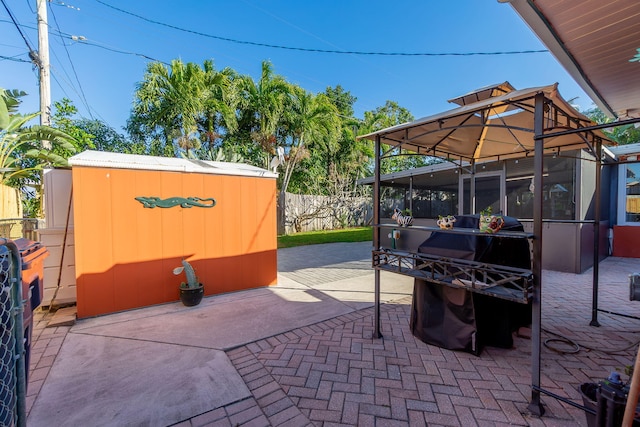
594	41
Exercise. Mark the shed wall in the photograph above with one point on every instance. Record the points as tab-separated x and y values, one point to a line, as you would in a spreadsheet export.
125	253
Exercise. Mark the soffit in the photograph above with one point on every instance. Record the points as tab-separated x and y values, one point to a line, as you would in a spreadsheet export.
594	41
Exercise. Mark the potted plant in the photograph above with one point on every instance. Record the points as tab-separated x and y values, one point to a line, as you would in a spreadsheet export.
192	291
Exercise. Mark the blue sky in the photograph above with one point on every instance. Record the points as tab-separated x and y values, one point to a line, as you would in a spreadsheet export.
101	82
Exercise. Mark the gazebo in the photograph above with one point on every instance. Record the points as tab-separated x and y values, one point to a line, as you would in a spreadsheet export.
493	123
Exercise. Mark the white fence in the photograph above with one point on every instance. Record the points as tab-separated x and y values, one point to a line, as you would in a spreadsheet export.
310	213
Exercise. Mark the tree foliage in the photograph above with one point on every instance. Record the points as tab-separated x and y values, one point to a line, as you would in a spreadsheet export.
627	134
392	114
311	121
197	112
22	156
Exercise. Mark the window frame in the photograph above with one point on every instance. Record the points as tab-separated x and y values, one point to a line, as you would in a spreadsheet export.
621	201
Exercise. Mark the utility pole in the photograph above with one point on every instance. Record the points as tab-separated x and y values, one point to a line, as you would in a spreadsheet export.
43	65
45	86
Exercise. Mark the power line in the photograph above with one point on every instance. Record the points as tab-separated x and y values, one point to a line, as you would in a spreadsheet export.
73	68
30	7
124	52
89	109
32	54
303	49
14	58
83	40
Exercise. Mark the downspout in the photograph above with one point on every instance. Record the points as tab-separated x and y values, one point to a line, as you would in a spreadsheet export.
596	236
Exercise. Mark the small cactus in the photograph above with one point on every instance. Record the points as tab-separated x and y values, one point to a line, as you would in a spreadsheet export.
192	280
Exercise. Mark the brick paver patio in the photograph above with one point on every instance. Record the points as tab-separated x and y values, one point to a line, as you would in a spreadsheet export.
334	373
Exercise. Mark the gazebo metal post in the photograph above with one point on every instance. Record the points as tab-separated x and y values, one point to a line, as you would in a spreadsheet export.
472	188
596	235
411	194
536	321
376	235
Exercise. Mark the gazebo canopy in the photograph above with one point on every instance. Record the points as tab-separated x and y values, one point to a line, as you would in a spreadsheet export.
493	123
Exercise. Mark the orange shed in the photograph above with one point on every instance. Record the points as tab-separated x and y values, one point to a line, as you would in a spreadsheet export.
137	217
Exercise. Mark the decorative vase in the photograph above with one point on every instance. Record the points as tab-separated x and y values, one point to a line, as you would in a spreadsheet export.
446	222
191	296
491	223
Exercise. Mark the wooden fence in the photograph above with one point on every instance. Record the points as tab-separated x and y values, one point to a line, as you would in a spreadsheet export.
311	213
10	206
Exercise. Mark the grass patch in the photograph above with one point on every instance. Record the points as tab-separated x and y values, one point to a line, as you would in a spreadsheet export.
359	234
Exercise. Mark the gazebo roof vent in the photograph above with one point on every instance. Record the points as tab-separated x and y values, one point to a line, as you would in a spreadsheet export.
483	93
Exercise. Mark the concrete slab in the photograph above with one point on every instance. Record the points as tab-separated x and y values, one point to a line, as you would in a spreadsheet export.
343	255
358	292
107	381
222	324
63	317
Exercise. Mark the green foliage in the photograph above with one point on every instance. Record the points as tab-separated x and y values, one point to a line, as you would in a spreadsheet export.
627	134
391	114
22	155
311	122
105	138
262	104
359	234
62	119
334	157
171	103
198	112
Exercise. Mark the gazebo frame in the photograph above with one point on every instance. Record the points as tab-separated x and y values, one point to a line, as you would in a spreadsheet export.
554	126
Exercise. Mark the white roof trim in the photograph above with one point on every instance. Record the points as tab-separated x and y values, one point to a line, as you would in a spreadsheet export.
104	159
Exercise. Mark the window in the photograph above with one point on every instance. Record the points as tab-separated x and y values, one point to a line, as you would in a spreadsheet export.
558	197
629	199
433	203
488	193
392	198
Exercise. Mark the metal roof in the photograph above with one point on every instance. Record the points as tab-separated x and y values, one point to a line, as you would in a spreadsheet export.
594	41
106	159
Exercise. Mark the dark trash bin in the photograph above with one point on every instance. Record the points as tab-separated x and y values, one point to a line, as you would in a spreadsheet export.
589	399
608	400
32	256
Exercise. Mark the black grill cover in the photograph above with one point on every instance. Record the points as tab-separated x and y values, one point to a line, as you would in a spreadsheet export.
458	319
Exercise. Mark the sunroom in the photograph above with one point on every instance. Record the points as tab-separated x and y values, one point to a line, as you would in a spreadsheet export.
502	181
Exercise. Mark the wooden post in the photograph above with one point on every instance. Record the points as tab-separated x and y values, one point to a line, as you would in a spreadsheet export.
634	392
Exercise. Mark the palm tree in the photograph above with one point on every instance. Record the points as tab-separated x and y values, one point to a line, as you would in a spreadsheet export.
220	103
263	102
169	102
310	119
